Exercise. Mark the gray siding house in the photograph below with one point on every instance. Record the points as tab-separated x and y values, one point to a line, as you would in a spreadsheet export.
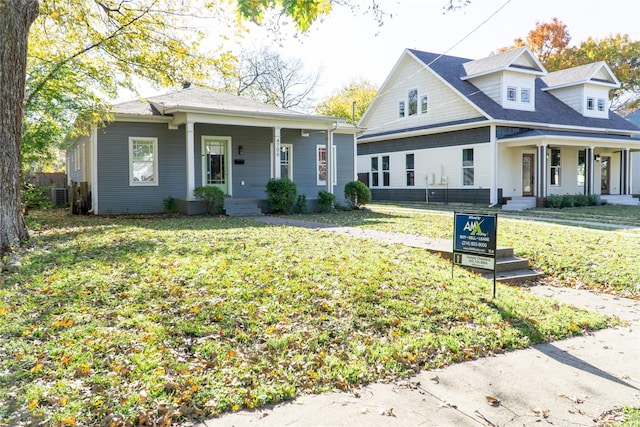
166	146
497	130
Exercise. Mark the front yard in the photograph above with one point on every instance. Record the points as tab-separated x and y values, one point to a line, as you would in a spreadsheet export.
149	321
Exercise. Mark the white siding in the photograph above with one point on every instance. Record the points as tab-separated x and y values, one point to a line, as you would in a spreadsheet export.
519	81
445	105
435	167
635	173
491	85
596	92
572	96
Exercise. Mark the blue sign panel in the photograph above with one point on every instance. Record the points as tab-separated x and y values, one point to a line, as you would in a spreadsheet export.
475	233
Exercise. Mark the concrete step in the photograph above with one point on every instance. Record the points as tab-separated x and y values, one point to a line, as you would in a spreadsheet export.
511	264
242	207
515	276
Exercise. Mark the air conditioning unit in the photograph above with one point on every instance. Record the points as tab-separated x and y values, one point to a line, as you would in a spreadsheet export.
59	197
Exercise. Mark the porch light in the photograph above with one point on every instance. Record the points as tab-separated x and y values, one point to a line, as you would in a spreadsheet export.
596	157
240	150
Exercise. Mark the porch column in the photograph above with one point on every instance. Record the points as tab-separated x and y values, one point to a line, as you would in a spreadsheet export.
589	162
191	170
625	171
276	154
542	171
493	167
330	171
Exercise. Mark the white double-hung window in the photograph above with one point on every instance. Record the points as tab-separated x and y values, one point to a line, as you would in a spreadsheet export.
143	161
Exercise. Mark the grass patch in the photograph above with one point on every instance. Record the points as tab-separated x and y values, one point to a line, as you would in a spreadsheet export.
165	319
603	259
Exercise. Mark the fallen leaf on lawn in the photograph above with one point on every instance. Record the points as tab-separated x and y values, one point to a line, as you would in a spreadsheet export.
435	379
493	401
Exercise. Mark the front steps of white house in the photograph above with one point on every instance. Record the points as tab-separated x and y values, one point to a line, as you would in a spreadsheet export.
620	200
519	204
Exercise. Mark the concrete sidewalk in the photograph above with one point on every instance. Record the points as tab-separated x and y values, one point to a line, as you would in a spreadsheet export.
564	383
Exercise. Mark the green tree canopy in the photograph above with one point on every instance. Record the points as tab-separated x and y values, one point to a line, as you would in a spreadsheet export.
341	103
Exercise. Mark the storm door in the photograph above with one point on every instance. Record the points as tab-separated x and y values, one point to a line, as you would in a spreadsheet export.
527	174
214	163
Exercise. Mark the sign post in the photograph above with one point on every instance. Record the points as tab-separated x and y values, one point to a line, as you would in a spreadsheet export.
474	242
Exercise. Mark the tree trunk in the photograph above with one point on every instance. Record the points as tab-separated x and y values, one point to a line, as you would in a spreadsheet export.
16	17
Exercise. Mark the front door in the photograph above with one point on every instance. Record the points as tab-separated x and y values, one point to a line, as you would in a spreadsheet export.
527	174
214	158
605	174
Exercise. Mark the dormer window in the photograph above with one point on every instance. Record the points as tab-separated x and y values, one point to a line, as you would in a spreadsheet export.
591	103
511	93
401	109
601	104
525	96
413	102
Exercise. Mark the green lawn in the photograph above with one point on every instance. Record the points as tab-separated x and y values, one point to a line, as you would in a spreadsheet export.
587	255
152	320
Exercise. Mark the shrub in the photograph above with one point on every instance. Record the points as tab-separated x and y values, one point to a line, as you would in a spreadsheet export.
282	195
170	205
326	201
35	197
554	201
580	200
212	197
567	201
357	194
301	204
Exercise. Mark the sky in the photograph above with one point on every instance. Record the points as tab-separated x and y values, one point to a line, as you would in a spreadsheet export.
351	47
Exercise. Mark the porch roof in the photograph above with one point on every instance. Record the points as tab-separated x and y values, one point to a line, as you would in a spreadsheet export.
589	137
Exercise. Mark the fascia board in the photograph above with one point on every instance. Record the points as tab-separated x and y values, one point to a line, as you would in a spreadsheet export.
257	120
561	128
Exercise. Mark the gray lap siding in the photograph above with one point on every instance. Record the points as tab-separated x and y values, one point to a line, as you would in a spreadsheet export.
253	170
115	195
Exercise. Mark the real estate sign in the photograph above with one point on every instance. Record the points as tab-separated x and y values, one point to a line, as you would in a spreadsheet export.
475	234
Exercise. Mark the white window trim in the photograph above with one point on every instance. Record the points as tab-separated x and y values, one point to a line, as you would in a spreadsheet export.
421	104
601	104
153	183
591	103
552	167
403	102
408	112
290	146
515	93
227	159
410	170
377	172
472	167
528	97
319	181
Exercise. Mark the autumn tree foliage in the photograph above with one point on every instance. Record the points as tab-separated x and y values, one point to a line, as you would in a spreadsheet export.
550	42
349	102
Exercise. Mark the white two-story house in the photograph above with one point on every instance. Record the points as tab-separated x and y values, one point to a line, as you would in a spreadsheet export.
495	130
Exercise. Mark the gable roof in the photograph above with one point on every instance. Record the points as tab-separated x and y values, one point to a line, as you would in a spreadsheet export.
548	108
596	73
521	59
